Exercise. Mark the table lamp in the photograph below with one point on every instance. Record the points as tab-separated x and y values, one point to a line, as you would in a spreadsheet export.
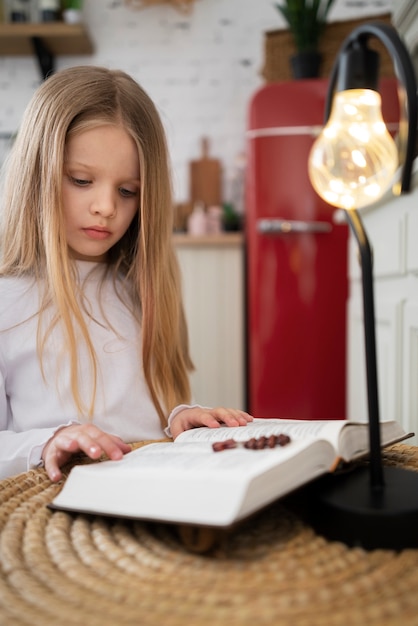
352	163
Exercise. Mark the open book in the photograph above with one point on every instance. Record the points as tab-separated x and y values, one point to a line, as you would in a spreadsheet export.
187	482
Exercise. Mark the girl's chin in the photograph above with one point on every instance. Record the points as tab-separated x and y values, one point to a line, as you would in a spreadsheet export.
79	256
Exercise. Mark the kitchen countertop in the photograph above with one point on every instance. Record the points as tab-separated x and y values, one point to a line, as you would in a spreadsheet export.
217	240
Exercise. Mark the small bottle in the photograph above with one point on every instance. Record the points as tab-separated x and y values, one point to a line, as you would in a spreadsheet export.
49	10
214	220
20	11
197	223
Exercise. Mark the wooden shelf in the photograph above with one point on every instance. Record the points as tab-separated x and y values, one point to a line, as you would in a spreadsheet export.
58	37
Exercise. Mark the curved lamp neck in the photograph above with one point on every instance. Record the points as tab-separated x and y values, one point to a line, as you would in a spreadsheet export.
357	66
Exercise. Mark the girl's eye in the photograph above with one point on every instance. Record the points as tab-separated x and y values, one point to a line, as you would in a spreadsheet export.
80	182
127	193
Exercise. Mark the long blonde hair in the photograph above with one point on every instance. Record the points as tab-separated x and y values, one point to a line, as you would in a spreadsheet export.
33	237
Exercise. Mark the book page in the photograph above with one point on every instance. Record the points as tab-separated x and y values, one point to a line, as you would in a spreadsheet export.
354	441
350	439
296	429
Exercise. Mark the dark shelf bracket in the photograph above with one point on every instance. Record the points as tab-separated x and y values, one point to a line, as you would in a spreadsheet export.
45	58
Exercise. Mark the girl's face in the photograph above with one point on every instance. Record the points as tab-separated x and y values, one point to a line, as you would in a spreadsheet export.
100	190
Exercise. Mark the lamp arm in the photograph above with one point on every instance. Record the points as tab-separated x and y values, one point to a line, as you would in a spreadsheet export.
405	73
376	471
374	506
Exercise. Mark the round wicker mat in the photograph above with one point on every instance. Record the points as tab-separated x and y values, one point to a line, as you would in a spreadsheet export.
61	569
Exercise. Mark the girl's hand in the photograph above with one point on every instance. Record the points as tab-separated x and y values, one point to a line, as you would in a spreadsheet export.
212	418
85	438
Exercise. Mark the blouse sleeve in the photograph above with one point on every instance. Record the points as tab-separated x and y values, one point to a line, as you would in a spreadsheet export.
20	451
177	409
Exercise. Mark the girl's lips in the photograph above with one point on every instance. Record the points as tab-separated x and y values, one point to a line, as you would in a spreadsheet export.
96	233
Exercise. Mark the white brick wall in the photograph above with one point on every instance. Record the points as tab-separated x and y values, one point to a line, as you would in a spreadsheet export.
200	69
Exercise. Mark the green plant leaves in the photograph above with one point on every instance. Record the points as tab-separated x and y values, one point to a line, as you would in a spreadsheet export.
306	20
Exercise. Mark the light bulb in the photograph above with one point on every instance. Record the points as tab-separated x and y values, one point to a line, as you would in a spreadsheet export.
353	161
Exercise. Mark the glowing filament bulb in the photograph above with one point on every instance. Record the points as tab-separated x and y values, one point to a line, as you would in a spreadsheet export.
353	161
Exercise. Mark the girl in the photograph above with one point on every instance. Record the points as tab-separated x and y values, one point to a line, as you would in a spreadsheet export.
93	340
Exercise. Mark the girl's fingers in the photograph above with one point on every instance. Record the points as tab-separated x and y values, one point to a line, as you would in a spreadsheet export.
229	417
92	441
80	438
212	418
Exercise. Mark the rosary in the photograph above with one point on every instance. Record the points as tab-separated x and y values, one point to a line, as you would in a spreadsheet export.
259	443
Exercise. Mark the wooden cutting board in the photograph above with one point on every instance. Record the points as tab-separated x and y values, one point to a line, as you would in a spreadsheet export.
205	178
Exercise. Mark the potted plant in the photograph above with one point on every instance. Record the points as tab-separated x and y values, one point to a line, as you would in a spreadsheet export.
72	11
306	20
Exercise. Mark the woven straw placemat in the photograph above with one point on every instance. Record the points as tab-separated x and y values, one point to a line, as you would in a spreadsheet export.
61	569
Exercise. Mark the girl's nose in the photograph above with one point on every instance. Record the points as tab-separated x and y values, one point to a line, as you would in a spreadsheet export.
104	204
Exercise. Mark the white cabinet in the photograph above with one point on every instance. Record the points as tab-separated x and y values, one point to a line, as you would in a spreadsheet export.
392	228
410	386
212	270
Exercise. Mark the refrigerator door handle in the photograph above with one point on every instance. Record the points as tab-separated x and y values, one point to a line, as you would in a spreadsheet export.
283	227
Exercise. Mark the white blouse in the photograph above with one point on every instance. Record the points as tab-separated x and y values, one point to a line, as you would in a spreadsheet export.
35	403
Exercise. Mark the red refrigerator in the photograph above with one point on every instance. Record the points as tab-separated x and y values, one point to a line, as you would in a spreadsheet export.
296	263
296	255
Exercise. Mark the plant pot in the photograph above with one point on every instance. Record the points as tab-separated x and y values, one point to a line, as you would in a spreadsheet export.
72	16
306	64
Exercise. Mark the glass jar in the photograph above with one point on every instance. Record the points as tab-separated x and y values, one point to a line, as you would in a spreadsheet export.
49	10
20	11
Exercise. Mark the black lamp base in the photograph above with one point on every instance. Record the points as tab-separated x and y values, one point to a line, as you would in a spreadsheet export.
344	507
